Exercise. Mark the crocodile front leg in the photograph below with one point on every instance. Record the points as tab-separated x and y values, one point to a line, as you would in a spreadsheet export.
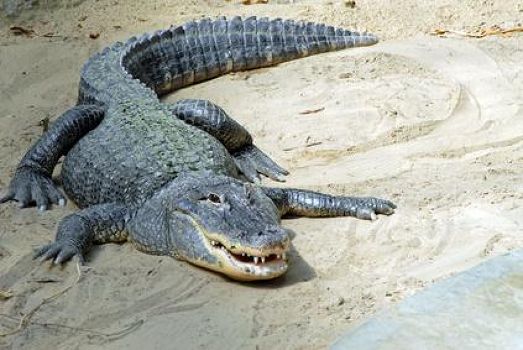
76	233
314	204
32	180
207	116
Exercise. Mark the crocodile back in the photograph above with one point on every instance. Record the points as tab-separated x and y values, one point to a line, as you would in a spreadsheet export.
135	151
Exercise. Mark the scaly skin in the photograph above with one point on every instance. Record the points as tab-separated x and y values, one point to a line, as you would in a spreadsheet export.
174	179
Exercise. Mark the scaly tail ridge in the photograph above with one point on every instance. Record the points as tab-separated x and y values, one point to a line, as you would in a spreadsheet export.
180	56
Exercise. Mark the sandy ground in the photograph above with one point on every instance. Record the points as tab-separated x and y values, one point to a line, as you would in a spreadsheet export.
436	124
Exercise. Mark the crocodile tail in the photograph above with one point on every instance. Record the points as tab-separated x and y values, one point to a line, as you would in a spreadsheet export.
200	50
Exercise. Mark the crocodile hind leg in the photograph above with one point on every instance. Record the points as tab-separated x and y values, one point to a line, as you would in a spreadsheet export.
314	204
102	223
32	180
214	120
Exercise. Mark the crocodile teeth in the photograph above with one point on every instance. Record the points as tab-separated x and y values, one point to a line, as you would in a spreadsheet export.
214	243
243	254
278	256
263	259
256	260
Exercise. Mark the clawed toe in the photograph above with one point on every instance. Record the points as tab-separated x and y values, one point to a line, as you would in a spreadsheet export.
385	207
59	253
251	161
7	197
248	170
368	208
31	186
65	255
47	252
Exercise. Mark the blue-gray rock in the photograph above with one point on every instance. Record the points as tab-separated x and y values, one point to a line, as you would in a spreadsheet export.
481	308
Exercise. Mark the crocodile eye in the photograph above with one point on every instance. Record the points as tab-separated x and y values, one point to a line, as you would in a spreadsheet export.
214	198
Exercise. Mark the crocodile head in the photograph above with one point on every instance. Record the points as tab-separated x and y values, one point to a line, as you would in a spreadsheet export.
218	223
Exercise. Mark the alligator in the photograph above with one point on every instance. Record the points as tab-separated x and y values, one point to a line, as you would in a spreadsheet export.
181	179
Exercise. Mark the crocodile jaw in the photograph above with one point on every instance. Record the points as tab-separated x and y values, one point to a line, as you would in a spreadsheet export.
242	266
246	267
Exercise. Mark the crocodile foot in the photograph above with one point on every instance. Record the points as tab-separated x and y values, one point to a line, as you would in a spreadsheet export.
367	208
32	186
60	251
252	161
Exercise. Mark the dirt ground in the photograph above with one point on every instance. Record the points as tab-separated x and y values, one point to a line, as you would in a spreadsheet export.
435	124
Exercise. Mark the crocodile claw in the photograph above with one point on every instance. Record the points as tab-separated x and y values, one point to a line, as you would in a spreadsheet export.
32	186
60	252
252	161
368	207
